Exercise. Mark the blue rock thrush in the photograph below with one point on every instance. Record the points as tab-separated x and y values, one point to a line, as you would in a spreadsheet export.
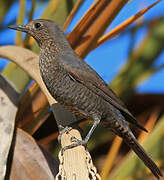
78	88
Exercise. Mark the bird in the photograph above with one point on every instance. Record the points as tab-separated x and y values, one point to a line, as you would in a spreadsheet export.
79	88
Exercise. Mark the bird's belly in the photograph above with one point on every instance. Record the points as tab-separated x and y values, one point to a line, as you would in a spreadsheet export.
76	97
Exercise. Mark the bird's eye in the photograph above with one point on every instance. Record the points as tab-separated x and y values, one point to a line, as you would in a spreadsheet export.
37	25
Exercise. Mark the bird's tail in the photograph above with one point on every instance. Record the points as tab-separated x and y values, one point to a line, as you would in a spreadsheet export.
131	141
142	154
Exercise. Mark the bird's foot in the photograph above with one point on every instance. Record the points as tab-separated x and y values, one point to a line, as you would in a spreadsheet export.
78	142
62	131
75	142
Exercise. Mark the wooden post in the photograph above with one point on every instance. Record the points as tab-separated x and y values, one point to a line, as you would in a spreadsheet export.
75	163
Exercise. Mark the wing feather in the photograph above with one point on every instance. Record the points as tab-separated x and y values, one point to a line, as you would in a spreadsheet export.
84	74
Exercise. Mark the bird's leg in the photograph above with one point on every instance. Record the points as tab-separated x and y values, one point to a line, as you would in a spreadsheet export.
95	124
78	142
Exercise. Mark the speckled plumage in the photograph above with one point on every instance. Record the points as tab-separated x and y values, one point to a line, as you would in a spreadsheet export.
78	88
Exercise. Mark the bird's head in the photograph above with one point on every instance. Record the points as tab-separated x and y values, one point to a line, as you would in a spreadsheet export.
40	29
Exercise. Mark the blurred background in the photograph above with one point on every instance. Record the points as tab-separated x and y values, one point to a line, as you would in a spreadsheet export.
132	62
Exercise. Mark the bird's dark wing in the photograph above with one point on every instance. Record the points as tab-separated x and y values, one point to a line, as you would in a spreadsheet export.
84	74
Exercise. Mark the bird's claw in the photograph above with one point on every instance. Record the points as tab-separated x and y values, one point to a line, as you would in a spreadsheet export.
62	131
74	139
76	142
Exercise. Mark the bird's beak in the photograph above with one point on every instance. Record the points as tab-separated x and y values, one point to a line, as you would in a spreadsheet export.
22	28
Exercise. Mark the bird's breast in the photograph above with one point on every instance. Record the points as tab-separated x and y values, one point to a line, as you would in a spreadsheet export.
70	93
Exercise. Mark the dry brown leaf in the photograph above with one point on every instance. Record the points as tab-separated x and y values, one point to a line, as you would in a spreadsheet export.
30	162
72	13
7	121
111	157
85	21
49	138
123	25
150	124
32	109
93	24
29	107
